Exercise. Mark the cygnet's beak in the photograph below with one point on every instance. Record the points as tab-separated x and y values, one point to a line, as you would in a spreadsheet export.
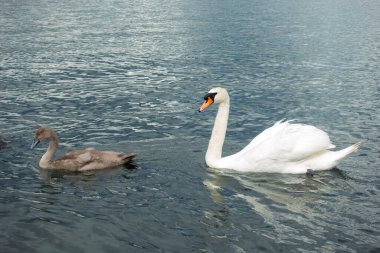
209	101
35	143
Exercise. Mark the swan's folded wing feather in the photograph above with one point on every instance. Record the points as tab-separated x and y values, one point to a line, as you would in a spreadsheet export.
74	153
84	157
299	141
287	142
266	135
78	156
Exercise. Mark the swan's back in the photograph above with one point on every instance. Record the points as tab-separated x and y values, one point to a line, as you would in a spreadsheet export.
90	159
282	145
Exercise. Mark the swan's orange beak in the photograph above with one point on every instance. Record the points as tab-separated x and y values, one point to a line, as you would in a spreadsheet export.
206	104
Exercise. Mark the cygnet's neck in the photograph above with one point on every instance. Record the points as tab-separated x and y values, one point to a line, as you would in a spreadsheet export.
215	146
48	156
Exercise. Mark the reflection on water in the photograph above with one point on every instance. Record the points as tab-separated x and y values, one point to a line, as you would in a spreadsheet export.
55	175
294	206
124	75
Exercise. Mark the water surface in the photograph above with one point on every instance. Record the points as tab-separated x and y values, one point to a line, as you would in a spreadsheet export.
130	76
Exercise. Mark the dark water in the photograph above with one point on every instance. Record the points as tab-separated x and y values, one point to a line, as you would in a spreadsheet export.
130	76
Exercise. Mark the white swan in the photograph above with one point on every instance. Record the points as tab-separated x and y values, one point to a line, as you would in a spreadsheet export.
282	148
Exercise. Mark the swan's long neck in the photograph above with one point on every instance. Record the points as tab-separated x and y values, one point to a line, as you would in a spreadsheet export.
215	146
47	157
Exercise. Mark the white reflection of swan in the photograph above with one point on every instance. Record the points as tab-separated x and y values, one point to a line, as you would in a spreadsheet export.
283	202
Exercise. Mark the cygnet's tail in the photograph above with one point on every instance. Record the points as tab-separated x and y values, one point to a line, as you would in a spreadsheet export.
351	149
126	157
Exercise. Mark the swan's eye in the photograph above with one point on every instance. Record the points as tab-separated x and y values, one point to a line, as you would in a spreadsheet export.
210	95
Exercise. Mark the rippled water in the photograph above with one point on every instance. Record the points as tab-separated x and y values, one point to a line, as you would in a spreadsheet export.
130	76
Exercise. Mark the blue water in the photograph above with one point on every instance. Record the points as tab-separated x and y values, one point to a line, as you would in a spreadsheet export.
130	76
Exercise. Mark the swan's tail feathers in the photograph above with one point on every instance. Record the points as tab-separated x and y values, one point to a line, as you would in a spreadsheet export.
355	147
126	157
351	149
285	120
281	121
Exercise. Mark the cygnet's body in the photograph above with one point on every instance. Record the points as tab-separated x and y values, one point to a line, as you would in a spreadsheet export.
78	160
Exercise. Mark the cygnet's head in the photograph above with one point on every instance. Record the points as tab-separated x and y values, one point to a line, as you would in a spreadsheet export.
215	95
41	134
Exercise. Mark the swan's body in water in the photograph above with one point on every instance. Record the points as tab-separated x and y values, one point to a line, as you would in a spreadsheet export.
78	160
282	148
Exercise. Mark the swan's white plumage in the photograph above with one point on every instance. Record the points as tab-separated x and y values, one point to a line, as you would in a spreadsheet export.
285	147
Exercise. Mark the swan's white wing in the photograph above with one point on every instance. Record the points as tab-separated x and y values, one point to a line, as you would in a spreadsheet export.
287	142
265	135
298	141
